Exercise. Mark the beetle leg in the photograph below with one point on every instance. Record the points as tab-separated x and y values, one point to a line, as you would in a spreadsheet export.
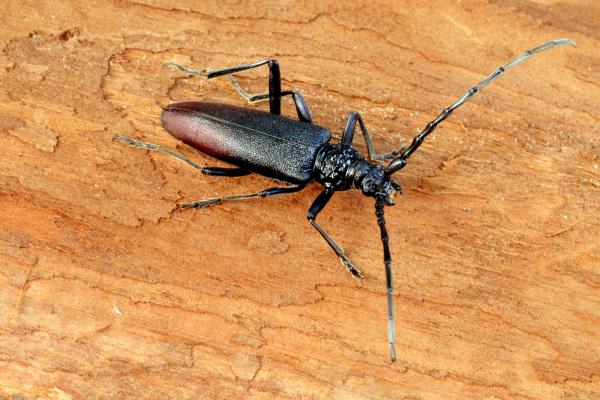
264	193
316	207
274	95
301	106
218	171
250	98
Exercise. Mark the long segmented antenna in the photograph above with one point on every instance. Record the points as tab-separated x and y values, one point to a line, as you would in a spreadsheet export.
387	259
404	153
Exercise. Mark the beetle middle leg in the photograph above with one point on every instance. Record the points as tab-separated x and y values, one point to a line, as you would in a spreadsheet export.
216	171
274	191
317	206
274	95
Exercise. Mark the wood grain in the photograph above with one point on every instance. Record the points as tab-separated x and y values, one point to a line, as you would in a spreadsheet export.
107	291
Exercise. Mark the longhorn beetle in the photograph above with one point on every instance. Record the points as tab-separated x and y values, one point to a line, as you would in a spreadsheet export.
297	152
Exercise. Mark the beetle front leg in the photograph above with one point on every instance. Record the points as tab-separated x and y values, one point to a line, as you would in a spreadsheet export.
318	205
215	171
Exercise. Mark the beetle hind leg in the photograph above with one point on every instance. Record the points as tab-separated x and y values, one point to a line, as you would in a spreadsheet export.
215	171
274	95
274	191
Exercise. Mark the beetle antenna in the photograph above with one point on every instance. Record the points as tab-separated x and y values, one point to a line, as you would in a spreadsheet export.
387	258
404	153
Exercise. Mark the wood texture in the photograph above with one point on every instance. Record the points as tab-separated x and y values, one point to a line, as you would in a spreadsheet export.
107	291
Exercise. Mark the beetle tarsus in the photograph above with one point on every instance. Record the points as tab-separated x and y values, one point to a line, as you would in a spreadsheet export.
201	204
182	68
355	272
136	143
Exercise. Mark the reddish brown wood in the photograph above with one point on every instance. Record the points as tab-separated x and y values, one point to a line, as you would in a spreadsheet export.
107	291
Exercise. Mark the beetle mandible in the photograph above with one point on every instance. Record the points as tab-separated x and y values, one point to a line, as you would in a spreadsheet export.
298	152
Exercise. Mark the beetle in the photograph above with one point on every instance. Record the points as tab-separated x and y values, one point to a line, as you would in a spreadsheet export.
297	152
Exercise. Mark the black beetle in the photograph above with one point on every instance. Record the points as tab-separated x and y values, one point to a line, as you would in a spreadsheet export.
297	152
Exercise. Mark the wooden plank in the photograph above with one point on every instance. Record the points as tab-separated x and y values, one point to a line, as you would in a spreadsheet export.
107	291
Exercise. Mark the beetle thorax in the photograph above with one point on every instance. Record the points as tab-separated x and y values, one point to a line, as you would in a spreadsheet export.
341	167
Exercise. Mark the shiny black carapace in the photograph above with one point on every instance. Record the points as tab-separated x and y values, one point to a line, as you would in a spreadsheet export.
297	152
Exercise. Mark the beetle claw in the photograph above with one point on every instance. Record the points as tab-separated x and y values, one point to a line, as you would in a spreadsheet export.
355	272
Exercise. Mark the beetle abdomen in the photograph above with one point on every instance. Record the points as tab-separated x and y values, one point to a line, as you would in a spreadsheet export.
258	141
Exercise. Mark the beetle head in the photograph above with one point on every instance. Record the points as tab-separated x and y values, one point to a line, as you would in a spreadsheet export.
380	185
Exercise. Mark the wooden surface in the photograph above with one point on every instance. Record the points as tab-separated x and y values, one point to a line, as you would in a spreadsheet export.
108	291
